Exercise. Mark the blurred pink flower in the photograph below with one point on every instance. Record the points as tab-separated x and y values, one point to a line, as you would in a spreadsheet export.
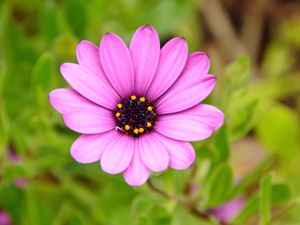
4	218
228	210
138	107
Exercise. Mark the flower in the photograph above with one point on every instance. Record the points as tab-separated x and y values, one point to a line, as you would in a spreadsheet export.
228	210
138	107
5	218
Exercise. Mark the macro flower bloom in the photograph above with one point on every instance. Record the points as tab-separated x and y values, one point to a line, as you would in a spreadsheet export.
137	108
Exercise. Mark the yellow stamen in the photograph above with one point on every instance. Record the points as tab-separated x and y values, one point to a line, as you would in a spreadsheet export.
119	105
127	127
118	114
141	130
136	131
149	124
150	108
133	97
142	99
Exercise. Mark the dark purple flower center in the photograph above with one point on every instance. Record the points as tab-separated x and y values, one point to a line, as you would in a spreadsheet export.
135	116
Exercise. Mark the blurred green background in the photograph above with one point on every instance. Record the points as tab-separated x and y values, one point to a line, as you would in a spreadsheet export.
254	47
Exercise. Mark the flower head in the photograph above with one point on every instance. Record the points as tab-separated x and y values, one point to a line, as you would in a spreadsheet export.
137	108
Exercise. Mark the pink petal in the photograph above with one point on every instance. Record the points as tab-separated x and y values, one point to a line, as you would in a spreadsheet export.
145	50
88	148
153	153
184	95
65	100
88	57
117	64
194	124
91	122
137	173
118	155
197	64
181	154
173	58
89	85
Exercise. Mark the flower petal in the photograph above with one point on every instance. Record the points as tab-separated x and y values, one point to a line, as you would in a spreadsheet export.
137	173
185	95
153	153
145	51
173	58
88	57
89	85
181	154
117	64
197	64
118	155
91	122
88	148
194	124
65	100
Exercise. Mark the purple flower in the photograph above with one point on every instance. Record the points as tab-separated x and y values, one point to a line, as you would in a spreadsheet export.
137	108
228	210
4	218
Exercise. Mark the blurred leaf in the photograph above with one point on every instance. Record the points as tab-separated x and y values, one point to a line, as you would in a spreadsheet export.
42	71
12	200
235	78
265	200
277	62
279	131
222	144
159	216
49	21
220	186
249	209
36	212
76	16
3	128
281	193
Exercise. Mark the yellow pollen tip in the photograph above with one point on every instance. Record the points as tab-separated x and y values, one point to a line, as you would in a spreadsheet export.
141	130
150	108
142	99
118	114
136	131
127	127
119	105
149	124
133	97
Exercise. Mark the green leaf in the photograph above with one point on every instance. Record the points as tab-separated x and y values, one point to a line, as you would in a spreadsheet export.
265	200
279	131
160	216
249	210
281	193
49	22
222	144
76	16
42	71
220	186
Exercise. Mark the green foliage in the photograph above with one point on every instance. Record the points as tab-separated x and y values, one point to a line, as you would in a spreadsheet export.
265	200
220	186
